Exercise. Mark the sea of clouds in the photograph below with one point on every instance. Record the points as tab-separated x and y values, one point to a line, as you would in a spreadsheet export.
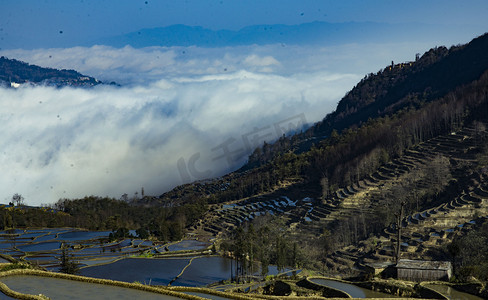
179	114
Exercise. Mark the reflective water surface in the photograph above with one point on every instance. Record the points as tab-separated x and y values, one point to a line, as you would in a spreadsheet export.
208	296
161	271
451	293
56	288
147	271
353	290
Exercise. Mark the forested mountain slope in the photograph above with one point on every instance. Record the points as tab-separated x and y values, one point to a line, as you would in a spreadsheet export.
17	72
378	119
397	86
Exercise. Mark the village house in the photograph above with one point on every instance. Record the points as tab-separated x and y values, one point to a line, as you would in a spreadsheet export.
422	270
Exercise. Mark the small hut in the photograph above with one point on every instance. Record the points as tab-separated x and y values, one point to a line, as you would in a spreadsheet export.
423	270
378	268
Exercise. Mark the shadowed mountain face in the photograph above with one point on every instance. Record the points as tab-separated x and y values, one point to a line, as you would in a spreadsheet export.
16	72
394	88
438	71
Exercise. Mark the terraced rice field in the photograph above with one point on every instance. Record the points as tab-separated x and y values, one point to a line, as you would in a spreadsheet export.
430	227
56	288
43	246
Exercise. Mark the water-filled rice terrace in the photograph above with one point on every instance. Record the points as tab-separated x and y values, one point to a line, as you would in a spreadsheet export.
44	246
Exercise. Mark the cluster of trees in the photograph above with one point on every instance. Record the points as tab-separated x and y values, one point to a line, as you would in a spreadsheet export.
470	254
97	213
21	217
265	241
68	264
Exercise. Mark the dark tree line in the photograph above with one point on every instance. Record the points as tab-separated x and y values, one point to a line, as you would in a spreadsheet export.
470	254
12	70
97	213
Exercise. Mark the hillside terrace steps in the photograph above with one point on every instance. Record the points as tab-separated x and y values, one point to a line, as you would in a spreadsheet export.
430	145
455	146
483	187
446	140
458	203
368	182
346	256
385	171
442	208
344	193
324	209
450	139
407	160
416	219
479	193
414	243
464	156
316	218
392	165
351	190
389	175
373	181
341	199
465	200
402	170
357	186
418	157
339	260
447	150
376	256
317	215
404	162
378	177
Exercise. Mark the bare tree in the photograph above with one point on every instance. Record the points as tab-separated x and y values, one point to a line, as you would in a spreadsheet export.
17	199
399	217
124	197
324	182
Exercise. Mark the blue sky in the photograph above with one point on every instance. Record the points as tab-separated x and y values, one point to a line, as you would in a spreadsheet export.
39	23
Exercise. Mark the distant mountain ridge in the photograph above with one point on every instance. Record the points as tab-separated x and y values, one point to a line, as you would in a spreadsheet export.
307	33
14	72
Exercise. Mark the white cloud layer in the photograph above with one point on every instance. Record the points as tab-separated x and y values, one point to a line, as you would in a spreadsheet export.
131	66
177	112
